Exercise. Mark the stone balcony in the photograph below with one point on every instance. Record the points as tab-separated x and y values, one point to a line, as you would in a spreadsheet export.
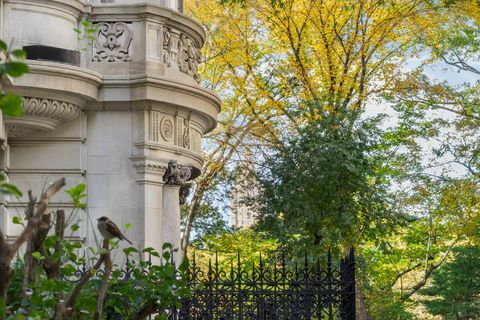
145	57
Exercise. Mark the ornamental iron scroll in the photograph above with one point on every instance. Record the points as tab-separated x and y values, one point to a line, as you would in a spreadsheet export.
113	42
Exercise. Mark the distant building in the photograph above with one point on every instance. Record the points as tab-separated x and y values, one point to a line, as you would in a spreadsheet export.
245	190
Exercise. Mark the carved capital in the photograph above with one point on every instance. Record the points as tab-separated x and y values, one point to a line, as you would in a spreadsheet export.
177	174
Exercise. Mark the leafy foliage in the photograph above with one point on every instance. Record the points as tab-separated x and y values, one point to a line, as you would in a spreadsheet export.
322	189
10	104
456	286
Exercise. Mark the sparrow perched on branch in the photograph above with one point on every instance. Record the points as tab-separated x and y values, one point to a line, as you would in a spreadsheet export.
109	230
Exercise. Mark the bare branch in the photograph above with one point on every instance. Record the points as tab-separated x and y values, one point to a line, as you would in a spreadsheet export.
103	288
35	221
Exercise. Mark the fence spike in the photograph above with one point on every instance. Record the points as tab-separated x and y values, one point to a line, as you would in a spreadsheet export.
329	259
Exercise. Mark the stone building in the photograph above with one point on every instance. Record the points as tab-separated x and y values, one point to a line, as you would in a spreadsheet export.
244	191
110	112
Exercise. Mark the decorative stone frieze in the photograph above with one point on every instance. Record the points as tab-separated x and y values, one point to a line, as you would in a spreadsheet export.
178	47
146	167
113	42
50	108
40	115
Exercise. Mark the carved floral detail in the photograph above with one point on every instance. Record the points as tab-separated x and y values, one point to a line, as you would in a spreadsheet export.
19	130
177	174
113	42
183	50
188	56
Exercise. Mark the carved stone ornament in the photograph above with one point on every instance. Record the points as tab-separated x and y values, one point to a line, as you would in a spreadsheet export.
177	174
40	115
167	59
167	128
50	108
113	42
179	48
149	168
188	56
186	134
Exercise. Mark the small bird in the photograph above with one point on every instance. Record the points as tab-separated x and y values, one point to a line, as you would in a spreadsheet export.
109	229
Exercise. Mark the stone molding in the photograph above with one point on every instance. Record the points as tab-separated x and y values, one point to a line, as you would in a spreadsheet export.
151	168
113	42
50	108
40	114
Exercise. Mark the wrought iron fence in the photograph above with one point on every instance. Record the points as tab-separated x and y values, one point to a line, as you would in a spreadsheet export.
276	290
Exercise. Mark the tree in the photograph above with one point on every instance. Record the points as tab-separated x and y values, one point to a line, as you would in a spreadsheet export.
266	58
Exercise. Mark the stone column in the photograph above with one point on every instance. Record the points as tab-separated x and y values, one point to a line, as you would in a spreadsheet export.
171	215
175	192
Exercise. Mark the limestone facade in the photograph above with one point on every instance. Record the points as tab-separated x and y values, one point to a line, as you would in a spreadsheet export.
110	112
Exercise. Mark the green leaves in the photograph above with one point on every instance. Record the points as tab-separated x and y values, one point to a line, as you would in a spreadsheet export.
16	220
13	69
11	105
78	193
38	256
10	189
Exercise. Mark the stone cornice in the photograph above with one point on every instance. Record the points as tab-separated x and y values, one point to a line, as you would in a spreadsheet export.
74	6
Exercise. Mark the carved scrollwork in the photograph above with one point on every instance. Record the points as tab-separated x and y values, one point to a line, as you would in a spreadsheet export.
186	134
50	108
167	59
177	174
182	50
188	57
113	42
